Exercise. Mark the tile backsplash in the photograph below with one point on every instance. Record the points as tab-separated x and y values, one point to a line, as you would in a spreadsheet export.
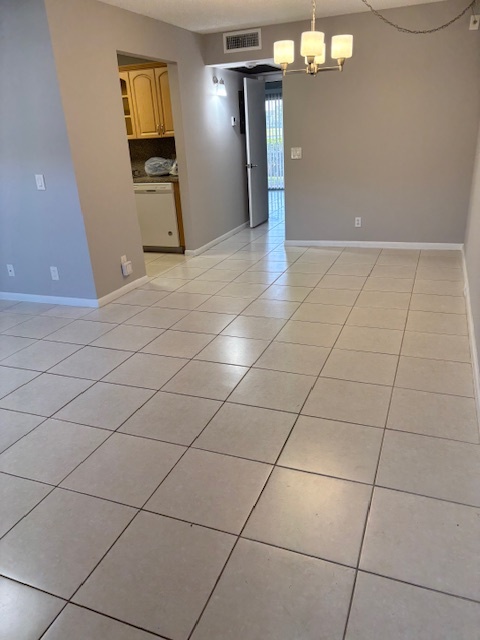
142	150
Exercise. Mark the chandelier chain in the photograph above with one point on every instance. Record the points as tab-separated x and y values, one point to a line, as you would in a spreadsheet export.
471	5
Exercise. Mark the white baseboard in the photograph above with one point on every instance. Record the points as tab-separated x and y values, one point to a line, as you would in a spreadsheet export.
473	341
375	245
209	245
74	302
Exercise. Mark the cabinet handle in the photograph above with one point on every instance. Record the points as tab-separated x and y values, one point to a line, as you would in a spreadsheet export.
162	128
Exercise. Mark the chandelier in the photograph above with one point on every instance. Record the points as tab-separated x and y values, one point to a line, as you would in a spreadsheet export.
312	48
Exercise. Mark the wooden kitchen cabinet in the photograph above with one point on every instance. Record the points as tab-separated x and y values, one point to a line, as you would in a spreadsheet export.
127	105
150	102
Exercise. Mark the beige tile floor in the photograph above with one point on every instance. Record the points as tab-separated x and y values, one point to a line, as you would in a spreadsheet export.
262	443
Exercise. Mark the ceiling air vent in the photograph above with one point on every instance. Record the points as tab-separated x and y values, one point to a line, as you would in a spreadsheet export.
246	40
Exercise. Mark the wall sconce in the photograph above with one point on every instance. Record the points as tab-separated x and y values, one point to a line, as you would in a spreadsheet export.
220	87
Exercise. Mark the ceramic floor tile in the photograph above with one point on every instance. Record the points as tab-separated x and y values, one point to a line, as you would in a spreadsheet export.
384	608
206	380
256	277
59	543
311	333
433	414
8	320
288	294
350	269
247	432
67	311
254	328
129	582
128	338
273	390
11	379
293	358
221	304
314	515
177	300
435	346
431	467
114	312
45	395
90	362
437	304
317	268
403	258
370	339
51	451
31	308
145	370
383	300
400	285
164	283
333	449
17	497
249	290
338	297
298	279
423	541
439	273
355	402
157	317
141	298
232	350
81	332
273	594
125	469
393	271
211	489
438	376
205	287
17	599
282	309
105	405
439	287
352	283
7	304
12	344
204	322
179	344
37	327
428	322
326	313
41	356
159	418
220	275
14	426
358	366
378	318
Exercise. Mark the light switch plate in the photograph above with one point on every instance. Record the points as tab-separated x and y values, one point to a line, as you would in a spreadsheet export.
296	153
474	22
40	181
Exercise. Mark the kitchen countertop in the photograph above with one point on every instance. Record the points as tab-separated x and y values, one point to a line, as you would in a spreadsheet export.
155	179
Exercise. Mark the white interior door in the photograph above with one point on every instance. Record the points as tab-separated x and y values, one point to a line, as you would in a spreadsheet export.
256	136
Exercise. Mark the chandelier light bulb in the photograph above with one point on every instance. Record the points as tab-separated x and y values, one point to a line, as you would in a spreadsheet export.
342	47
284	51
312	44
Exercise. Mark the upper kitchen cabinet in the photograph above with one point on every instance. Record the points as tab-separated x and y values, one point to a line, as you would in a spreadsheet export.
127	105
150	101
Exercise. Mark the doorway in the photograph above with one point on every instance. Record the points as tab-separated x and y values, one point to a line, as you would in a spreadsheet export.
275	153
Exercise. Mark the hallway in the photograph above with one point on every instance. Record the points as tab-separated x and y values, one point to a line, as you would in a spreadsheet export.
262	443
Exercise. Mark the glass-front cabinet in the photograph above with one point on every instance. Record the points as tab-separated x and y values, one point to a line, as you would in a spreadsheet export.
127	105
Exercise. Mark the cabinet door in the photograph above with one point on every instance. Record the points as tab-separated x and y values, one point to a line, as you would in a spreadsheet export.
144	99
163	91
127	105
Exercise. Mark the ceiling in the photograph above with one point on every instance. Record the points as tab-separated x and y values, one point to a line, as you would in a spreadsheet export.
209	16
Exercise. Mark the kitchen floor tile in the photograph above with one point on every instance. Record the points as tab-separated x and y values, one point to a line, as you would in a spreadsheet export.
298	280
400	285
433	414
17	497
439	376
211	489
127	338
67	311
8	320
30	308
165	283
180	300
17	599
311	333
157	317
249	290
355	402
159	418
14	426
129	583
358	366
435	346
44	395
12	344
428	322
430	467
436	272
41	355
105	405
439	287
288	294
145	370
114	312
51	451
393	271
204	322
352	283
125	469
274	594
378	318
385	608
369	339
355	269
11	379
81	332
263	308
256	277
141	298
37	327
179	344
232	350
383	300
426	542
333	449
208	287
310	514
247	432
206	380
437	304
326	313
221	304
59	543
90	362
338	297
273	390
293	358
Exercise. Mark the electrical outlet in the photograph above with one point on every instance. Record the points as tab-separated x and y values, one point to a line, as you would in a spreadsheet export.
123	259
296	153
474	22
10	270
54	273
358	222
127	268
40	181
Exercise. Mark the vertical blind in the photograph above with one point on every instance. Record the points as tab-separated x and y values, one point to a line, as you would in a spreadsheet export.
274	113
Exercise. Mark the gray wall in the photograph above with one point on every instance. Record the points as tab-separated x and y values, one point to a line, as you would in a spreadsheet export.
86	36
390	139
472	248
38	229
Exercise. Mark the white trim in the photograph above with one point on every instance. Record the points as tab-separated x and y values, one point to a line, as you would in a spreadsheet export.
375	245
473	342
209	245
74	302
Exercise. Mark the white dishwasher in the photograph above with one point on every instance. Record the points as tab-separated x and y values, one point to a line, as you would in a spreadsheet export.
157	215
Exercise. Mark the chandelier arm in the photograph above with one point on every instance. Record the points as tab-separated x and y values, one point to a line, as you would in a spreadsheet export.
319	70
471	5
